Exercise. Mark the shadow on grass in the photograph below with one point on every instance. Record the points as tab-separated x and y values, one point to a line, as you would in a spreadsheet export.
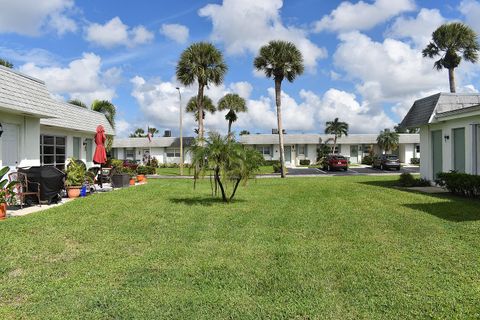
452	208
201	201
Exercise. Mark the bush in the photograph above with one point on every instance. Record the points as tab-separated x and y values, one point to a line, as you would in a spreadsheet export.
146	170
271	162
153	162
304	162
368	160
415	161
115	163
463	184
407	180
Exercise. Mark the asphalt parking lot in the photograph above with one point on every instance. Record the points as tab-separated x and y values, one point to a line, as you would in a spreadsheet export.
350	171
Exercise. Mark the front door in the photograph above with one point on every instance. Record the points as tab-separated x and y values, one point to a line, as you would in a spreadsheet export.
437	152
459	149
288	155
10	145
354	154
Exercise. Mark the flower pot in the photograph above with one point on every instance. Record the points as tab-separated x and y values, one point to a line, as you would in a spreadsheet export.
120	180
132	182
73	192
3	211
141	178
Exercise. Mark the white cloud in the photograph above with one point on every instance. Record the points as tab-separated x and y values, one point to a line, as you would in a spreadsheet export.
419	29
116	33
471	10
362	15
123	127
245	26
176	32
31	17
82	79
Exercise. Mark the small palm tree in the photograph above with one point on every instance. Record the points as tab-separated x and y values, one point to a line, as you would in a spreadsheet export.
153	131
107	108
192	107
388	140
201	63
338	129
77	102
138	133
280	60
234	104
452	41
6	63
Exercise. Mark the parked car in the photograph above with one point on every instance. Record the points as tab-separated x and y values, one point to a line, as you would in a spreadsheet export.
130	164
386	161
335	162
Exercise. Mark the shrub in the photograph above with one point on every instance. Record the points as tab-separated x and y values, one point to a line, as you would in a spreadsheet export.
271	162
459	183
116	163
153	162
415	161
368	160
277	168
145	170
407	180
304	162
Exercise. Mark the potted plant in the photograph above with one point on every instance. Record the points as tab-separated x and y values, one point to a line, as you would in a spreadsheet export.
132	172
7	195
75	179
141	171
120	177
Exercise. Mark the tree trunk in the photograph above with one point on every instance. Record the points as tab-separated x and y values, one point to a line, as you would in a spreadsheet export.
217	177
229	127
451	79
278	101
235	189
334	144
200	111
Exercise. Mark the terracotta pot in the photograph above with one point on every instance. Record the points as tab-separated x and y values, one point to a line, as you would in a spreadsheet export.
73	192
3	211
141	178
132	182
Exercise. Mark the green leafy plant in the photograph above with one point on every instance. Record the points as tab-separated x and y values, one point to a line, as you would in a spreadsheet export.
463	184
145	170
7	194
304	162
230	162
76	174
408	180
415	161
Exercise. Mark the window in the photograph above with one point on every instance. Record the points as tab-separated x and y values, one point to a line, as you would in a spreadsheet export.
301	149
52	151
77	142
264	150
173	153
417	148
337	149
129	154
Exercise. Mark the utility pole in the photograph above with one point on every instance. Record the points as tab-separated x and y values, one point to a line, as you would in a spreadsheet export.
181	133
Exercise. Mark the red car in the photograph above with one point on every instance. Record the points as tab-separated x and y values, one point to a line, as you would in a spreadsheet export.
130	164
334	161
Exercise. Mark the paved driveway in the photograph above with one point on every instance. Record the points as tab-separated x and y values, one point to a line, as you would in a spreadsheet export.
351	171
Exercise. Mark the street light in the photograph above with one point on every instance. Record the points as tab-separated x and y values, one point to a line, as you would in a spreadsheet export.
181	134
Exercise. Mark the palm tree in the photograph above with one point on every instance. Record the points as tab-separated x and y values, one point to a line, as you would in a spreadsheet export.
208	106
77	102
6	63
138	133
337	128
234	104
244	133
388	140
280	60
201	63
452	41
153	131
107	108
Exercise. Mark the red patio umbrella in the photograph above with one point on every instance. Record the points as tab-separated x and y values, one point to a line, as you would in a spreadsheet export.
100	156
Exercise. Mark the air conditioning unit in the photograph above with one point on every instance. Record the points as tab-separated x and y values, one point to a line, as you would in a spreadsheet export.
274	131
168	133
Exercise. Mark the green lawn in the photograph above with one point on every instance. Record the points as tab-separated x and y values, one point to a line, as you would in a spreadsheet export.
187	171
297	248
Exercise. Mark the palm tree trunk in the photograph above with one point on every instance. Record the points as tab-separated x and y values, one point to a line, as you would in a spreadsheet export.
278	101
451	79
334	144
200	111
229	127
235	189
217	178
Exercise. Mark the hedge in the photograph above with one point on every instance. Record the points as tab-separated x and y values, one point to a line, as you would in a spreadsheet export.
304	162
146	170
407	180
463	184
415	161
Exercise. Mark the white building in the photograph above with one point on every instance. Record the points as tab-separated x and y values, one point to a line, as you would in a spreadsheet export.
304	146
38	130
449	132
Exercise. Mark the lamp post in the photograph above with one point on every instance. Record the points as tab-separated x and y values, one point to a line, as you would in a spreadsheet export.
181	134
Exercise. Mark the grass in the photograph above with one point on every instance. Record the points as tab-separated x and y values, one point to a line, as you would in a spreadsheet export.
187	171
297	248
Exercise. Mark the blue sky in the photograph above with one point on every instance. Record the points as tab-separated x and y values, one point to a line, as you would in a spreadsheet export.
363	58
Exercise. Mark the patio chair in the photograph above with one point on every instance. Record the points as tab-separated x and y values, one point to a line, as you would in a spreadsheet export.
25	189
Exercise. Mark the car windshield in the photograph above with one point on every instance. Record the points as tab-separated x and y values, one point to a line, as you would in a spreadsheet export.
392	157
338	157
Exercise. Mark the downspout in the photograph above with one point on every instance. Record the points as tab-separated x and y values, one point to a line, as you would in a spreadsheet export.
475	146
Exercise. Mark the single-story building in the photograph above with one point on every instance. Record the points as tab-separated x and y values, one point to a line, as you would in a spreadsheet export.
297	147
38	130
164	149
449	132
304	146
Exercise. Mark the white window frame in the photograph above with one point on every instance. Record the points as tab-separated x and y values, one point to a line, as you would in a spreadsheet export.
172	152
59	165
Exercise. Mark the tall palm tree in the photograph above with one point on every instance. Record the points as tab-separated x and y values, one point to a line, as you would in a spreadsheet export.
153	131
388	140
452	42
6	63
201	63
208	106
107	108
77	102
234	104
338	129
280	60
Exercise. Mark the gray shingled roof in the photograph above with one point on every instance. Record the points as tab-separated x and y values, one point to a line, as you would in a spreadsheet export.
22	94
157	142
424	111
